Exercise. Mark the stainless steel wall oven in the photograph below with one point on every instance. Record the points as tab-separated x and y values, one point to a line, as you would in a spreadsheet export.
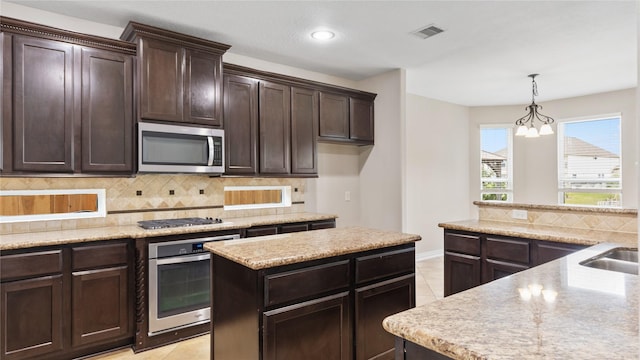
179	283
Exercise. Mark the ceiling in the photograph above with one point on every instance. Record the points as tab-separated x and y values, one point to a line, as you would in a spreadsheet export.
482	58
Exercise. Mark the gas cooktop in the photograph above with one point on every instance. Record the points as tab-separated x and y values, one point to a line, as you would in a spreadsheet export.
170	223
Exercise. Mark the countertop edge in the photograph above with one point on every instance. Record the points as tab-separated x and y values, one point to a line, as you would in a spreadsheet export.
62	237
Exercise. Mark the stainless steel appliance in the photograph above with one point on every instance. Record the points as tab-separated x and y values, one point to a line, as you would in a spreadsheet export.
179	283
180	149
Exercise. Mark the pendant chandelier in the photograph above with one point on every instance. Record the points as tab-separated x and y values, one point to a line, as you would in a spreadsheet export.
526	124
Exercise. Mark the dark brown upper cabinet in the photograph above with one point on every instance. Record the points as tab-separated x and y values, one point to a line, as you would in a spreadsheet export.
180	76
67	105
241	124
107	111
43	121
346	118
304	131
275	128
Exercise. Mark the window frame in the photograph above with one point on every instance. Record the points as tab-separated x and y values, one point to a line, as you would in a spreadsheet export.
508	190
560	163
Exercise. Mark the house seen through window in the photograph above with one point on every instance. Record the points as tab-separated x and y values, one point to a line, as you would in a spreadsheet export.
589	163
496	163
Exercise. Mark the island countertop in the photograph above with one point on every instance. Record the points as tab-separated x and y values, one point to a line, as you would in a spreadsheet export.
275	250
594	315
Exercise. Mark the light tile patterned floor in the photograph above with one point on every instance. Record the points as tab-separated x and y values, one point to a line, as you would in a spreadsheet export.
429	287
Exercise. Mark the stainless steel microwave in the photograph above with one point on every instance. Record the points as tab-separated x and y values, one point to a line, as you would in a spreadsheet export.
169	148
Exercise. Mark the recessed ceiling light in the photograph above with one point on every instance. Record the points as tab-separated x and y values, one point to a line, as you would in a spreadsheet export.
323	35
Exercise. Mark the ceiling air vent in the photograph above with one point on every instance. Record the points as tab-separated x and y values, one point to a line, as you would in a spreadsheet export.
428	31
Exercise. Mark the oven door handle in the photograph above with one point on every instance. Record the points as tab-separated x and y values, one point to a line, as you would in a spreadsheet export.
182	259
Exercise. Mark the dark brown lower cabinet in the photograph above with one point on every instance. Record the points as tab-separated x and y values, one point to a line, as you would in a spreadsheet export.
289	228
32	317
461	272
312	310
373	303
66	302
100	305
317	329
406	350
472	259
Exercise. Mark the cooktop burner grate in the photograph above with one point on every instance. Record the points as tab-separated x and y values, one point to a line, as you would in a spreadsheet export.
170	223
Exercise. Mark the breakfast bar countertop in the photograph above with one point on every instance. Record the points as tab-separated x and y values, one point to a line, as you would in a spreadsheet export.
580	313
543	232
61	237
275	250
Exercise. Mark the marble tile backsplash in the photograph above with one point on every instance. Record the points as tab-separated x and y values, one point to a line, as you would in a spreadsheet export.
624	222
125	207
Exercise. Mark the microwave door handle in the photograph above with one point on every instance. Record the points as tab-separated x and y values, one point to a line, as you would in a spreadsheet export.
210	141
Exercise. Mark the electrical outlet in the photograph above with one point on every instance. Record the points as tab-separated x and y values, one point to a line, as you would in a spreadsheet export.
347	196
519	214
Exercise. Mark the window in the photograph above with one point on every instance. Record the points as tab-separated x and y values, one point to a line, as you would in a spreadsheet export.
589	164
496	163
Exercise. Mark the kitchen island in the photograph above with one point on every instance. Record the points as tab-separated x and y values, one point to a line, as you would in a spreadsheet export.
558	310
315	295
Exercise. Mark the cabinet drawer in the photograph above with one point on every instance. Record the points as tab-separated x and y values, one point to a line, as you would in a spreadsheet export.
384	265
461	243
95	256
290	228
30	264
302	283
511	250
262	231
329	224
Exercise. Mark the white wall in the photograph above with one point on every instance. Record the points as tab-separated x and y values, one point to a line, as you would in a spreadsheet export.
535	160
381	177
437	168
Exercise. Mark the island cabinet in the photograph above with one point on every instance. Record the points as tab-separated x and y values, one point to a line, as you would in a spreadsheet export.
329	308
67	301
179	76
67	102
472	259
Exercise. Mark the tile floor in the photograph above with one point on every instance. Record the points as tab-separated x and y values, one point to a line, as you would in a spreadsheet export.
429	287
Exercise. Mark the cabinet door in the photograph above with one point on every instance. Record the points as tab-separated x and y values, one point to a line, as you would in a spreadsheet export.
361	120
374	303
31	314
461	272
493	269
203	88
313	330
334	116
161	80
275	128
43	105
547	251
304	133
99	305
291	228
323	224
107	112
241	124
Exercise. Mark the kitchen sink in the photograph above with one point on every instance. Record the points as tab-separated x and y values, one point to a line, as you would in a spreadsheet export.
619	259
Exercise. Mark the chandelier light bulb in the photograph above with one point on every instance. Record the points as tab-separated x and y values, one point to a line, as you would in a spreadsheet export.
522	130
546	130
532	133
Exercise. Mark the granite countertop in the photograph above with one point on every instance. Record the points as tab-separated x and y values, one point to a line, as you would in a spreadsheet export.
594	316
60	237
541	232
275	250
